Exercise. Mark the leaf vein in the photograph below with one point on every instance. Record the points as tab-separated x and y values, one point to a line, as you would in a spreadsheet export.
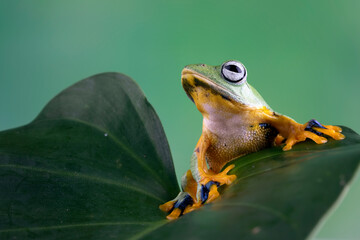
116	140
84	176
73	226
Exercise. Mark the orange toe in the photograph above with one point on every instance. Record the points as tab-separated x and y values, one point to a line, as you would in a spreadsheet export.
213	194
174	214
166	207
331	131
289	143
315	138
335	128
279	140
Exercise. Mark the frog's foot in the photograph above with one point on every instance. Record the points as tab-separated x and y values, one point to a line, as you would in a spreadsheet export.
208	192
182	204
313	130
220	178
321	130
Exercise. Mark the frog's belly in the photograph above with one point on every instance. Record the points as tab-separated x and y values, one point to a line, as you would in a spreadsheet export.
239	142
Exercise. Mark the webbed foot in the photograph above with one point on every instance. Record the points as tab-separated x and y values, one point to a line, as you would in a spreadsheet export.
220	178
182	204
313	130
321	130
209	192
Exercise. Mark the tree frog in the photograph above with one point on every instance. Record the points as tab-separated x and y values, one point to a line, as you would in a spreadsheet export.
236	121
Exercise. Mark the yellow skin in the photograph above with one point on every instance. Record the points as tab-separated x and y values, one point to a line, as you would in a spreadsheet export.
236	121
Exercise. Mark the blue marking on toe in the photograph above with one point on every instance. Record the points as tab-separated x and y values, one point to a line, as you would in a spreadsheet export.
209	184
204	194
183	203
314	123
205	189
314	131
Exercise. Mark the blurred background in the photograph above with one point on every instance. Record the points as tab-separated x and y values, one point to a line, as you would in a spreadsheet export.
302	56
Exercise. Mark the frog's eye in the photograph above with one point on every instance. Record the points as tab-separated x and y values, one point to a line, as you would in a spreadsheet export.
233	71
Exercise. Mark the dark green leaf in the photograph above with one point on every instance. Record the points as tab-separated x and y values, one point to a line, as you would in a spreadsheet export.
278	195
95	164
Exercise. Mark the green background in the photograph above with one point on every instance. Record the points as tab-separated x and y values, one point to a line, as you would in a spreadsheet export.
303	57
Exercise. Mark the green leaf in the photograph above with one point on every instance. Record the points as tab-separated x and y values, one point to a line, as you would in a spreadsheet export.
95	164
277	195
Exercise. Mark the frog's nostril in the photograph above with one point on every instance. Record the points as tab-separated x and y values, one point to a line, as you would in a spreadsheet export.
203	65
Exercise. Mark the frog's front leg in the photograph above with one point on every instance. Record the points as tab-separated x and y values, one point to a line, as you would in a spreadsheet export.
293	132
200	170
199	184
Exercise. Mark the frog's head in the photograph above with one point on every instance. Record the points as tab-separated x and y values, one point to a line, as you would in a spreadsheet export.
222	87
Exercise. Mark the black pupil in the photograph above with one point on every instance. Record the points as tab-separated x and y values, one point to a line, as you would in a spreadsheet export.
233	68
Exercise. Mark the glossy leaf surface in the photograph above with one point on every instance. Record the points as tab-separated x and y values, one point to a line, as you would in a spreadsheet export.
95	164
278	195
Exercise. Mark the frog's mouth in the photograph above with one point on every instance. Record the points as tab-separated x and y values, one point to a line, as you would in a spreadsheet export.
192	80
